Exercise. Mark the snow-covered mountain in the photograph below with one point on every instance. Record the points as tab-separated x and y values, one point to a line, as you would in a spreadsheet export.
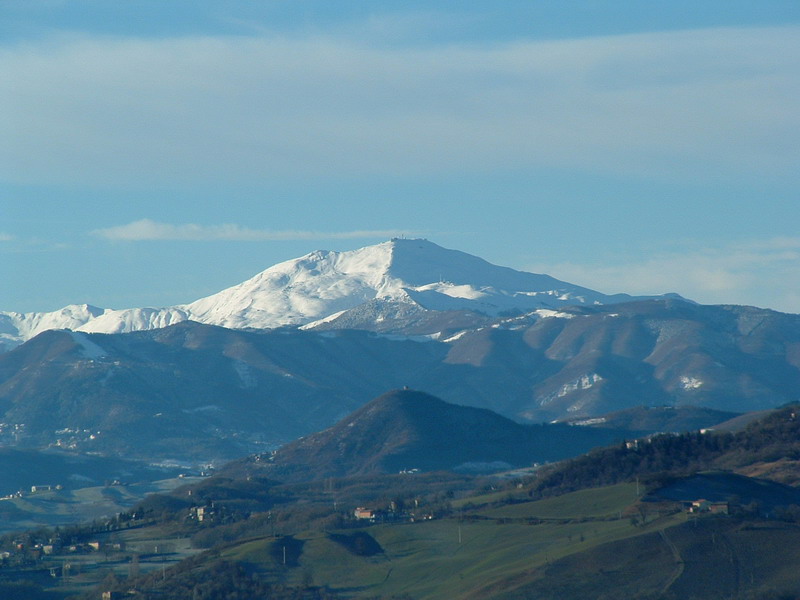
414	274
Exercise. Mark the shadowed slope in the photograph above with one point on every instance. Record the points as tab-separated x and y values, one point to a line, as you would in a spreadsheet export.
406	429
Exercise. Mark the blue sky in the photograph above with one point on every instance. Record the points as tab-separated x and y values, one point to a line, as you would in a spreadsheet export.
153	152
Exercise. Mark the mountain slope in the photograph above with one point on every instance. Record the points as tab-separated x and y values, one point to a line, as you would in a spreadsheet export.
766	448
406	429
193	391
412	273
657	419
201	391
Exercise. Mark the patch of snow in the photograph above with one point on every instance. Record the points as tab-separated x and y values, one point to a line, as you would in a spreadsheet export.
589	422
89	349
246	377
456	336
578	406
582	383
690	383
463	291
318	322
546	313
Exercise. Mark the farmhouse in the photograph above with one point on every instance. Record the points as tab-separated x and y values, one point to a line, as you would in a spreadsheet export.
364	513
706	506
202	513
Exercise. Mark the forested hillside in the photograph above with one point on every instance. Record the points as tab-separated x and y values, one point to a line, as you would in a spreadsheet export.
775	438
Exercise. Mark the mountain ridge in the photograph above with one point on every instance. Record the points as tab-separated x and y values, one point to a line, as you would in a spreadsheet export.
323	284
204	391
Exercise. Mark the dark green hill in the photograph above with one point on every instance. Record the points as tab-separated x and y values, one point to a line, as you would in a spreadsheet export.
406	429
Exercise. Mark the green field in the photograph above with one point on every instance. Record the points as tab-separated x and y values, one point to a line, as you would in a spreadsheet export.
455	557
589	503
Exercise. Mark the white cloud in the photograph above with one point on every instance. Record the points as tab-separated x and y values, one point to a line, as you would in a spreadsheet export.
5	237
147	230
762	273
707	103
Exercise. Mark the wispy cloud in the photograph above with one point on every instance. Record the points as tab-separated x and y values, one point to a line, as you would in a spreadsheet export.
5	237
762	272
699	104
148	230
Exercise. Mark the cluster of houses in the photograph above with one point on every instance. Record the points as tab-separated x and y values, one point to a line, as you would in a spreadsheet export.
392	514
54	546
11	431
71	439
35	489
207	471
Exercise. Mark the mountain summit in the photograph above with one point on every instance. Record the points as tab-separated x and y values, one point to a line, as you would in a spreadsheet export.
404	274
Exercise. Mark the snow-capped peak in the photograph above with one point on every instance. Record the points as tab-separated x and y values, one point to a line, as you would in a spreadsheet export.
323	283
27	325
302	289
